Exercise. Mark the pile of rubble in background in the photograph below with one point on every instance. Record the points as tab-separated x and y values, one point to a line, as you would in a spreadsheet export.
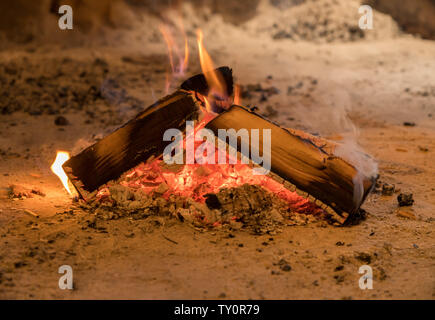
307	20
324	21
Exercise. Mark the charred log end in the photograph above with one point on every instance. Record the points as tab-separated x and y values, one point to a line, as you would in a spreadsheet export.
198	83
355	218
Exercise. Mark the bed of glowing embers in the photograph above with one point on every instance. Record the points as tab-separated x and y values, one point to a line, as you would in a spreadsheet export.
203	195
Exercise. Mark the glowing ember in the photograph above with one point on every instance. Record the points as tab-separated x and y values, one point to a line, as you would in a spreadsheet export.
237	95
196	180
57	169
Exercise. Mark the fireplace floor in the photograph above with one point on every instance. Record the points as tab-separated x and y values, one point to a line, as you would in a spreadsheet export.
165	258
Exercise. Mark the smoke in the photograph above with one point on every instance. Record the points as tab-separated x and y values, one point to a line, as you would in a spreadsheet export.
330	118
366	166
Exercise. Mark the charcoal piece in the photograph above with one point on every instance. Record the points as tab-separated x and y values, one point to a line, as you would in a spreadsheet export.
405	199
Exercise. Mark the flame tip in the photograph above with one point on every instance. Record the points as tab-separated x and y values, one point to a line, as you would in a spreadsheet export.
178	58
57	169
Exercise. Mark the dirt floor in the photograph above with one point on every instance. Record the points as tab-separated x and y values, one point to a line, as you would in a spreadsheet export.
366	89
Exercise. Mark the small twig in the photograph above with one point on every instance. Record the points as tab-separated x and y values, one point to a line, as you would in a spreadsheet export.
170	240
30	212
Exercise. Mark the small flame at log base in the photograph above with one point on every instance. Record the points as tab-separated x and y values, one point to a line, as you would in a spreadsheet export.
56	167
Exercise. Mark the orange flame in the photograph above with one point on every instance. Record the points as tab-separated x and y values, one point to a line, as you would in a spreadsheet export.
214	79
207	105
57	169
167	82
186	52
237	98
183	62
178	69
169	44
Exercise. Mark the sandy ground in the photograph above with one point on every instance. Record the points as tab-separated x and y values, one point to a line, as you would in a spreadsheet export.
380	84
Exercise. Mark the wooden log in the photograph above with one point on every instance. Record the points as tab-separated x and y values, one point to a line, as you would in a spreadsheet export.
141	137
302	164
134	142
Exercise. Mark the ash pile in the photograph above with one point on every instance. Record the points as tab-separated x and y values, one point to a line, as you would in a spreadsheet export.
246	207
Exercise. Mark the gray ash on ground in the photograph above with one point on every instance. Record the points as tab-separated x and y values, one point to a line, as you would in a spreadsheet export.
302	86
62	85
21	89
247	207
250	91
258	93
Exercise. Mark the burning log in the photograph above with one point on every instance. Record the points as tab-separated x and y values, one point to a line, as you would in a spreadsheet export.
140	138
303	164
135	142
